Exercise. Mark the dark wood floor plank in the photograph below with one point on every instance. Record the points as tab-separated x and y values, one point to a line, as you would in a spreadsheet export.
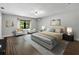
19	46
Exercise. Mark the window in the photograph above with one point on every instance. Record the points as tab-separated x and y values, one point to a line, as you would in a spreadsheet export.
24	24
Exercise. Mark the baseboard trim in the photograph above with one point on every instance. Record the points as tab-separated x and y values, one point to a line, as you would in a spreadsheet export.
77	39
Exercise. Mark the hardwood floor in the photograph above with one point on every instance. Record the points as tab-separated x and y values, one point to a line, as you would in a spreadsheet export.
20	46
72	48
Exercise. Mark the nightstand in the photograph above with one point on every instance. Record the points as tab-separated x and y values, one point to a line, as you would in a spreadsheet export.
68	37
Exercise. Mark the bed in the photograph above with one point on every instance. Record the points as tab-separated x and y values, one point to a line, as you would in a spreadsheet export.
51	41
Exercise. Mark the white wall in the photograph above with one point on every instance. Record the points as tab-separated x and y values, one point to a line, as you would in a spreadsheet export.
70	18
1	26
7	31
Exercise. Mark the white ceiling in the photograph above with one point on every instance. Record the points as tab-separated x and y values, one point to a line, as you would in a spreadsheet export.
28	9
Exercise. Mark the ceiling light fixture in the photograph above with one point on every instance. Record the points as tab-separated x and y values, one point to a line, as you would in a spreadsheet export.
36	12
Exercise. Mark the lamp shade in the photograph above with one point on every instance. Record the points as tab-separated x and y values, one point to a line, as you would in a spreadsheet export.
69	30
43	27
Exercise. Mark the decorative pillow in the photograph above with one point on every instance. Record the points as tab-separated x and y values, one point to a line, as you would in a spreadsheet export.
58	30
62	30
50	30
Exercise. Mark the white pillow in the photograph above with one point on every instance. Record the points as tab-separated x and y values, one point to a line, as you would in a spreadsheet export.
58	30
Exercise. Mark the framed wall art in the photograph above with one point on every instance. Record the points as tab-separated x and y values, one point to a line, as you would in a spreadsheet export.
55	22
